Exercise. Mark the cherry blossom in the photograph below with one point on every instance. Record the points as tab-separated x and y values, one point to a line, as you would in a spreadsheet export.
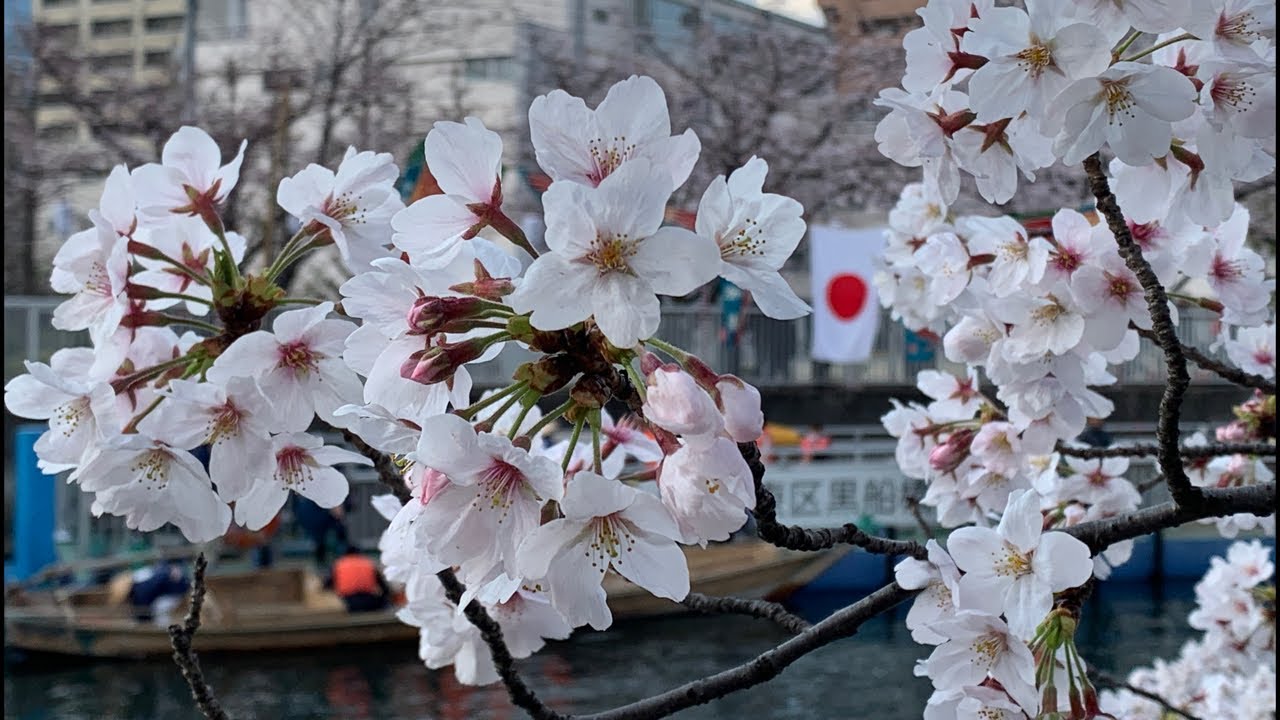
466	161
150	484
188	241
577	144
355	204
190	178
938	580
298	366
303	464
708	489
977	646
64	393
1254	350
93	267
675	402
1018	563
610	258
606	525
756	233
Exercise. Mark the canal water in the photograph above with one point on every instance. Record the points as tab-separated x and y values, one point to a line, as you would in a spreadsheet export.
867	676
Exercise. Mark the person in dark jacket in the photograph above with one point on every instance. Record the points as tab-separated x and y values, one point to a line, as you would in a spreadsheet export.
1095	434
157	590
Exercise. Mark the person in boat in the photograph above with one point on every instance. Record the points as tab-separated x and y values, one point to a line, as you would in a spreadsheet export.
355	579
155	591
320	522
813	444
1095	433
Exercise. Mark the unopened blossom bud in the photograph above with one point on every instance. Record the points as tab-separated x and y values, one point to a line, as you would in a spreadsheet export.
676	403
431	315
435	364
649	362
740	404
948	456
134	291
485	285
1236	431
701	372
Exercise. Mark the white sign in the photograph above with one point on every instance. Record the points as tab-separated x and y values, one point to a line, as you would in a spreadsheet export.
830	494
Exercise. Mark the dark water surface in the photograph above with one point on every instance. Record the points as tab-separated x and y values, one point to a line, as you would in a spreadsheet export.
867	676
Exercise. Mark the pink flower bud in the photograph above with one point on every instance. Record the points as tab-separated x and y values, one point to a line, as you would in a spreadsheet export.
740	404
675	403
434	364
431	315
950	454
1236	431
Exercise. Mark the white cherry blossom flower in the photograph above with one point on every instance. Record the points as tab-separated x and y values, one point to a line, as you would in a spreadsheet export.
466	161
1100	480
1052	323
1232	27
494	498
303	464
235	420
708	489
1236	273
150	484
756	233
1111	297
64	393
1031	57
739	404
355	204
93	267
977	646
952	395
1148	16
586	146
1018	260
298	366
1019	563
944	259
1254	350
676	403
938	580
931	49
606	524
1240	97
189	241
190	174
1128	107
996	152
610	258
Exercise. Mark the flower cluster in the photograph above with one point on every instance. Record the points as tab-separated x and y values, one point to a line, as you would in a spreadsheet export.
1230	671
531	528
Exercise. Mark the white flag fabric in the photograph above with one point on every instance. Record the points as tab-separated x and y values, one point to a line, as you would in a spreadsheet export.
846	311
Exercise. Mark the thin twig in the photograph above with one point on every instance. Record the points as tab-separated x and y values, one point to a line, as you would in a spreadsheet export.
762	609
1221	369
388	473
1186	451
521	694
798	538
180	638
913	504
1166	336
1107	680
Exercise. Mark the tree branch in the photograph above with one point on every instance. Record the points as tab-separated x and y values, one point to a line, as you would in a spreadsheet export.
1165	335
180	637
1186	451
765	667
1221	369
388	473
1257	499
762	609
798	538
1108	680
521	694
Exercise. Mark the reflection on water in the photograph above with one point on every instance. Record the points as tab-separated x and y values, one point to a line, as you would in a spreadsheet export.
867	676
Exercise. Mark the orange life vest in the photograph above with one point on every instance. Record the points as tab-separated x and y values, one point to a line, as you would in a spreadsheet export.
355	574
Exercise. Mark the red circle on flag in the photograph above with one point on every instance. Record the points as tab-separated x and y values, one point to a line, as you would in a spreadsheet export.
846	295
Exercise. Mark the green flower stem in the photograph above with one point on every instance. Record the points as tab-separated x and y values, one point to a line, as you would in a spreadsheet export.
1157	46
550	417
676	353
298	301
596	463
132	427
573	443
637	381
1124	44
184	297
524	411
471	410
198	324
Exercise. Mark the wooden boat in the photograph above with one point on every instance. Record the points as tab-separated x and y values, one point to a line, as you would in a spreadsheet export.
288	609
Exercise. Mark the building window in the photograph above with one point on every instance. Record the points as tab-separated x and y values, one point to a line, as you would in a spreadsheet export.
157	59
116	64
112	28
672	25
491	68
59	133
51	4
222	19
60	33
165	24
600	16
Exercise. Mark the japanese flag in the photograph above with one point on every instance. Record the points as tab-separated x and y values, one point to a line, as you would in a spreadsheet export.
846	312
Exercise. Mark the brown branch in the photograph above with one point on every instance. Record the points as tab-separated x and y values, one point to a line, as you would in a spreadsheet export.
388	473
798	538
521	695
1107	680
1221	369
764	667
1166	336
762	609
1150	484
913	504
1257	499
180	637
1186	451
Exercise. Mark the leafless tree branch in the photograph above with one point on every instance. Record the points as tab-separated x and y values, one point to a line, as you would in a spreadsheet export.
762	609
180	637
